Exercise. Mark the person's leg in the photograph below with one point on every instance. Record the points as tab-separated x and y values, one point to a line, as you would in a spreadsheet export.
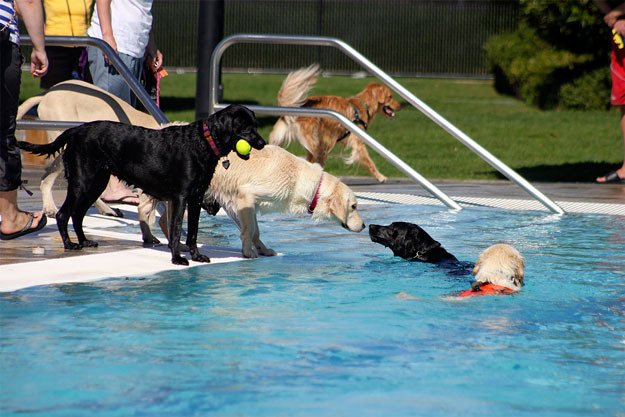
13	220
620	171
106	77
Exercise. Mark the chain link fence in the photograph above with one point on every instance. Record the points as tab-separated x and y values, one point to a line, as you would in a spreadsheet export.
441	38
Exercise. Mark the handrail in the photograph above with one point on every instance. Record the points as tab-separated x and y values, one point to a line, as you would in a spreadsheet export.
373	69
118	64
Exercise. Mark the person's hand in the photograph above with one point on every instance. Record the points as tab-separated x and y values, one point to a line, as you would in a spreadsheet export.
619	27
611	18
38	63
110	39
155	61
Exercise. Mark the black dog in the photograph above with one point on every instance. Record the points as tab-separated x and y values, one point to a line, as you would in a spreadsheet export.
411	242
176	163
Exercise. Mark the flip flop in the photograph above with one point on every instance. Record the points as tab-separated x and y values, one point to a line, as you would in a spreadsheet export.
127	199
612	178
27	229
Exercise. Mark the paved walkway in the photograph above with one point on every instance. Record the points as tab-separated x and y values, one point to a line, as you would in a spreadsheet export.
19	260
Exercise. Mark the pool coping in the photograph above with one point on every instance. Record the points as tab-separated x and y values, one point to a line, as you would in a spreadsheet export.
121	255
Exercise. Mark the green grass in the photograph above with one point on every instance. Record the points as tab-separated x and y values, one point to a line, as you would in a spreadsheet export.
539	145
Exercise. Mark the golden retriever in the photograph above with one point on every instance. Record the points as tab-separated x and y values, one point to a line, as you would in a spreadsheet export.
499	269
320	135
79	101
275	181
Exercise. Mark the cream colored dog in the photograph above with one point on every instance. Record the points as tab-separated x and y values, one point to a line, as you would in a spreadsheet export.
502	265
272	180
78	101
276	181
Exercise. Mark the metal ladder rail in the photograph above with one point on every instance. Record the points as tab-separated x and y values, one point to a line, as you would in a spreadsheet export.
373	69
123	70
296	111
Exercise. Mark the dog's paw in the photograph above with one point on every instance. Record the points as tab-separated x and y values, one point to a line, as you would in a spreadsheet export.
89	244
50	211
201	258
72	246
381	178
267	252
115	212
179	260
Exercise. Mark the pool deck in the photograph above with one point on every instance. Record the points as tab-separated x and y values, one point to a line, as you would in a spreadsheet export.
121	253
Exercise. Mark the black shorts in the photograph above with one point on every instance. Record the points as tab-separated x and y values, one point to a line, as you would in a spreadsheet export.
10	78
63	64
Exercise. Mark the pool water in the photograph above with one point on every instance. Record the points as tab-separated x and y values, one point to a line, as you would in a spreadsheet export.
320	331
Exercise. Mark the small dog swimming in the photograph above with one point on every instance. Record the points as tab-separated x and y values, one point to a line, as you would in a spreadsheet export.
499	269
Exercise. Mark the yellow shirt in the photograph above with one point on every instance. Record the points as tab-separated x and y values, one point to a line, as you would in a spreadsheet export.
67	17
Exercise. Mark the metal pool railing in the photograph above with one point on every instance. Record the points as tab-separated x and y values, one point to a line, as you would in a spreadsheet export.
403	92
123	70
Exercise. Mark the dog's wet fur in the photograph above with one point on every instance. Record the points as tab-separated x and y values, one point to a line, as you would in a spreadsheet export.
411	242
176	164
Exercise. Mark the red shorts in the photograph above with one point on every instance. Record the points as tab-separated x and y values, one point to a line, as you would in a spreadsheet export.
617	68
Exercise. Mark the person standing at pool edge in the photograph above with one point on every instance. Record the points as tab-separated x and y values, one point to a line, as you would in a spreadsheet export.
16	223
613	18
126	25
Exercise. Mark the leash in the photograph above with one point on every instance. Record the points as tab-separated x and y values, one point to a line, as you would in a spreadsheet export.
313	203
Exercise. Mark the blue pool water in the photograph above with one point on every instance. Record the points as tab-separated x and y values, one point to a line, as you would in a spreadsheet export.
319	331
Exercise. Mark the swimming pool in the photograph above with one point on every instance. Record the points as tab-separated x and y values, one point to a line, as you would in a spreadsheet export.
320	331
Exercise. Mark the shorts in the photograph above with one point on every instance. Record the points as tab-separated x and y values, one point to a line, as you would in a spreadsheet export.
106	76
617	70
64	64
10	78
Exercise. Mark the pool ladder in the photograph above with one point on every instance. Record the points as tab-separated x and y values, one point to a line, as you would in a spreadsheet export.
214	105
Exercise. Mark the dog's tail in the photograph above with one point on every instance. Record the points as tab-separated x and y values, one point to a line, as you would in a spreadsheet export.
47	149
297	85
27	105
293	93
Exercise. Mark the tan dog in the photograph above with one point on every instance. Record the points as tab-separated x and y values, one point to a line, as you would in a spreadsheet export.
78	101
275	181
499	269
320	135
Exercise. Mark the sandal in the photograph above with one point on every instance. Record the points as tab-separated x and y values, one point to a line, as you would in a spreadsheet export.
27	229
612	178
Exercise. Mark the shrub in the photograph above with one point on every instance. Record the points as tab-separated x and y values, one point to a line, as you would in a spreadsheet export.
591	91
557	42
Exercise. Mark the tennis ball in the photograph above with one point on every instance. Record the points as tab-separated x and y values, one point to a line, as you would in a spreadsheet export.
243	148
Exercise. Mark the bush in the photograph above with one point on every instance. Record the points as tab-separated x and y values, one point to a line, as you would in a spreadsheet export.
558	43
591	91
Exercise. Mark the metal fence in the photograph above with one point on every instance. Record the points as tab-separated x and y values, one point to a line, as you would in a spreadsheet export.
404	37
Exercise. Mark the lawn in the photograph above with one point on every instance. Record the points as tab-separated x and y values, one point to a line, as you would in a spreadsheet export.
539	145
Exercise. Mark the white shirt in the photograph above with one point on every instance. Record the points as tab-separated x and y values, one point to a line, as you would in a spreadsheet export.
131	21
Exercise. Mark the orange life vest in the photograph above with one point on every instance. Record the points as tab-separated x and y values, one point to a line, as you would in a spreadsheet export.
486	289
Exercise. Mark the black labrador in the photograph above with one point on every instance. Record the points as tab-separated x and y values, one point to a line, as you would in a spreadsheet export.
176	164
410	242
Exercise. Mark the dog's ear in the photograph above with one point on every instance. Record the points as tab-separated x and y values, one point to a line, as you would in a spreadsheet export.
476	268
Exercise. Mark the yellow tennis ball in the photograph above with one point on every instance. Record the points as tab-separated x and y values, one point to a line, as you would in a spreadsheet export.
243	148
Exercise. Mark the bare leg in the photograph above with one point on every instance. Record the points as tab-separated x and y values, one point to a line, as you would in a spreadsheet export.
13	220
116	191
621	171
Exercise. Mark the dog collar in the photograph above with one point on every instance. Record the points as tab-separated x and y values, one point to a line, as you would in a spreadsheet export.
315	199
209	139
421	253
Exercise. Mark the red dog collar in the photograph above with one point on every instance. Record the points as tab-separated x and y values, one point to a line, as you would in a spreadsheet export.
209	139
315	199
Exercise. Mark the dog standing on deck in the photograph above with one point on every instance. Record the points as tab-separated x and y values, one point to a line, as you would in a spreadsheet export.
319	135
176	163
275	181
